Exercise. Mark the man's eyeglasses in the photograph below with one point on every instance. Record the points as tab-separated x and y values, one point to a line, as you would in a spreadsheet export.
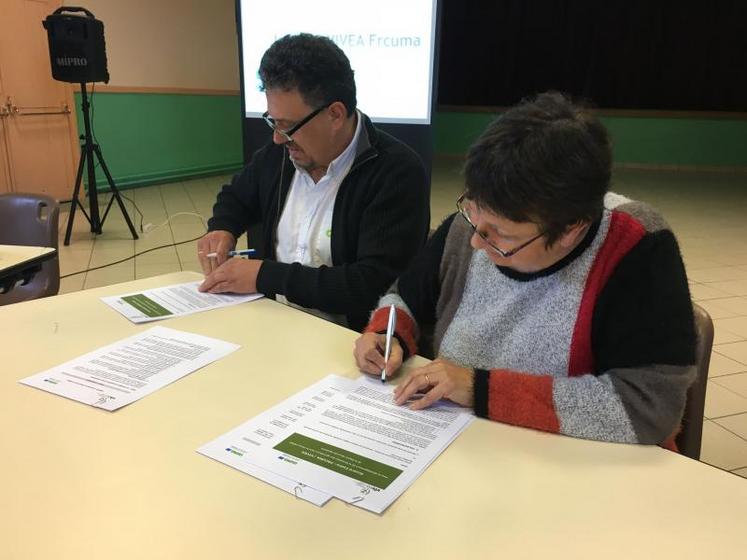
465	212
288	133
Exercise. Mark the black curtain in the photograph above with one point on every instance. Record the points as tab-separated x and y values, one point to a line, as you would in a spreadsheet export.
627	54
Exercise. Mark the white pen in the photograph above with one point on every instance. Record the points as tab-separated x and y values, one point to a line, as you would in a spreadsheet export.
242	253
390	326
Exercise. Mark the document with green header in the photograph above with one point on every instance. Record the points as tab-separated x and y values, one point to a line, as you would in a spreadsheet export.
171	301
345	438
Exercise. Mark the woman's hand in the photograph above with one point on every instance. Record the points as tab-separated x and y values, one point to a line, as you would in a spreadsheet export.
369	354
440	379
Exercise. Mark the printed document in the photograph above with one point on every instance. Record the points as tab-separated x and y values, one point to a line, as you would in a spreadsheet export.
121	373
346	438
171	301
234	457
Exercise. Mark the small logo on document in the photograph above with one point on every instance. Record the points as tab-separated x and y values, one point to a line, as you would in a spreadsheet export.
287	459
233	451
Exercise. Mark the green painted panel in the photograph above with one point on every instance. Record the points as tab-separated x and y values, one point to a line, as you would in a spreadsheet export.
652	141
455	132
669	141
151	138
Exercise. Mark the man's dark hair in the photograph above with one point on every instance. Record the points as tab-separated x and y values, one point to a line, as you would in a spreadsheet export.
546	161
312	64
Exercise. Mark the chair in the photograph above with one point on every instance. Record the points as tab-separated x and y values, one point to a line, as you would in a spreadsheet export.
31	219
689	439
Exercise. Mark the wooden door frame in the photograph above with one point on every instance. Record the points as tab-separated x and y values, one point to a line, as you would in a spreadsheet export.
37	90
5	178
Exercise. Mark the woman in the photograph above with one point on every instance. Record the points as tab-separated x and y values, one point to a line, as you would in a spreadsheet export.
556	305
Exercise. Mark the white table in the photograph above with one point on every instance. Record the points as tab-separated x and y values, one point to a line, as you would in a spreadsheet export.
20	261
79	482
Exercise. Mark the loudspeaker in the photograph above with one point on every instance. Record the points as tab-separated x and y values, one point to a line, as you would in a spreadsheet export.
76	46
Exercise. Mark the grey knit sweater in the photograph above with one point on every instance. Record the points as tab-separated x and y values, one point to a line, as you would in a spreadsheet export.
600	345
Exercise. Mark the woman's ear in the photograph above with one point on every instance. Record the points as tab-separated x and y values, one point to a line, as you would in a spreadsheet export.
573	234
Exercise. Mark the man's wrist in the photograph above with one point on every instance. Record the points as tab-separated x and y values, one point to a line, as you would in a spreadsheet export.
271	277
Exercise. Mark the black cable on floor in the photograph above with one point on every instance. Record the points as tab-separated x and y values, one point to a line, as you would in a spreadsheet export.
130	258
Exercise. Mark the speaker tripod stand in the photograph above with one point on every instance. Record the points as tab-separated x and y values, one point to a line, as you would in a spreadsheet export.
87	150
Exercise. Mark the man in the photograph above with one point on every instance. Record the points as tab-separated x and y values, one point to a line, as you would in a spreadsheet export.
344	206
557	306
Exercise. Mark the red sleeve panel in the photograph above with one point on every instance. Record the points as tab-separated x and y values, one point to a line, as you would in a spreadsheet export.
405	329
624	233
516	398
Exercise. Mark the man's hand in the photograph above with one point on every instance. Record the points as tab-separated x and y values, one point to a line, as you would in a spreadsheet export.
438	380
369	354
218	242
236	275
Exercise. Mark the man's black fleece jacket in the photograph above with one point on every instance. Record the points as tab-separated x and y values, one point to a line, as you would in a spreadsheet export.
380	220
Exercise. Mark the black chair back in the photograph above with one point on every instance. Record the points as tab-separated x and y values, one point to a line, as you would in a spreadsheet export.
31	219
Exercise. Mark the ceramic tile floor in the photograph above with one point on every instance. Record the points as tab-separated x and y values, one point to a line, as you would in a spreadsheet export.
708	212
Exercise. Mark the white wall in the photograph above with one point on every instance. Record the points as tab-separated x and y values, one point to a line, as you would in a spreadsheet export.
169	43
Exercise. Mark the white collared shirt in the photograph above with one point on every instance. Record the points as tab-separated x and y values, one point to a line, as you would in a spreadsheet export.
305	227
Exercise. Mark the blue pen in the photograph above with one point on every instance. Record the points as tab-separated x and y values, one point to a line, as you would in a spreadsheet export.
242	253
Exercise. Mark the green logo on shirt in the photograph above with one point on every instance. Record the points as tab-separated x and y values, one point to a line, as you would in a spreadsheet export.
329	233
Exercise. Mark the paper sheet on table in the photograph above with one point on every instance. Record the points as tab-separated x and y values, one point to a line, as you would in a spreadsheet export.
125	371
171	301
346	438
235	456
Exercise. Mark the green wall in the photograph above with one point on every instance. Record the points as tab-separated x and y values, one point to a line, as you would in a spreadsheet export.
651	141
151	138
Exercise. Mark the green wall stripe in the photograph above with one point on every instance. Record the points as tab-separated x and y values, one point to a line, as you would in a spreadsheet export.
151	138
670	141
636	140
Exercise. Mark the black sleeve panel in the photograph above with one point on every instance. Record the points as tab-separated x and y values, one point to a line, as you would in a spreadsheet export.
644	313
419	286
